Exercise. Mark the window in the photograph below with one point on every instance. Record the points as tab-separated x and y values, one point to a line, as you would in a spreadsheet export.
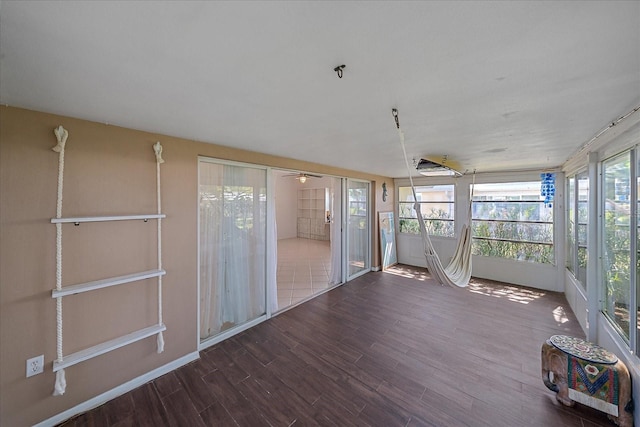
620	244
511	220
577	222
437	206
571	224
636	261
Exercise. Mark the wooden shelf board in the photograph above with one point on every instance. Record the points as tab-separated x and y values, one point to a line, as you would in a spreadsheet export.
107	346
105	283
81	219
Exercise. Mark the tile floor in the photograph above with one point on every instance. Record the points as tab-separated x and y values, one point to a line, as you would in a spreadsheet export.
304	266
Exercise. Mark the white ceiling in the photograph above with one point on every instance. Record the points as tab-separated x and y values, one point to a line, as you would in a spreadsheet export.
493	85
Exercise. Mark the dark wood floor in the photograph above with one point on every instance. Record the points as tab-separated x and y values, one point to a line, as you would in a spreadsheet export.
388	349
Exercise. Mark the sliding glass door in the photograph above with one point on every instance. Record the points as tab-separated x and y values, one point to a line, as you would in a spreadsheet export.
232	243
237	241
358	228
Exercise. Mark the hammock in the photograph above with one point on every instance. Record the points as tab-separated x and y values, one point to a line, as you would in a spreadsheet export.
458	272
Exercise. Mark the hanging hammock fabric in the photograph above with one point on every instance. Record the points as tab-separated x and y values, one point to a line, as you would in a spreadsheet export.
458	272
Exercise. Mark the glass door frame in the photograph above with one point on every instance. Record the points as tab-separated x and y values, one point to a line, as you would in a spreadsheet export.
347	242
212	340
270	234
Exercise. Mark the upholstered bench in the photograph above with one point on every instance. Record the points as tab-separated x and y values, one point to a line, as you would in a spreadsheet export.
580	371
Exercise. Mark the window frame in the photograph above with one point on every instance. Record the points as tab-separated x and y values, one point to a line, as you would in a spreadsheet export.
574	225
447	188
504	243
631	336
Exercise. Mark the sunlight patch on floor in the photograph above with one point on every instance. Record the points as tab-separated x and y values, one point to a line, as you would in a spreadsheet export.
409	273
488	288
560	315
512	293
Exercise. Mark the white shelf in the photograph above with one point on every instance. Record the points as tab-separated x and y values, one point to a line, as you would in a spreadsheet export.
312	214
107	346
78	220
105	283
59	292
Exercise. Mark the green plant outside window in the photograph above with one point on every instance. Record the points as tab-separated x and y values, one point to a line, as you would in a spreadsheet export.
511	220
437	208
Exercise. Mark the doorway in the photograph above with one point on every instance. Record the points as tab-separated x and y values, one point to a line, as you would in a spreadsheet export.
272	239
309	235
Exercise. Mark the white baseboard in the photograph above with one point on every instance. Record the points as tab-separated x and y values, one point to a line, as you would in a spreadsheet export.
119	390
229	333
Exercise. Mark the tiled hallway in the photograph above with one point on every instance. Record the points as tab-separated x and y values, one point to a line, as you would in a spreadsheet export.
304	267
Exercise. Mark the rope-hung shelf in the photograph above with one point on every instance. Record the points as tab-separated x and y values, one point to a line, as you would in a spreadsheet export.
60	291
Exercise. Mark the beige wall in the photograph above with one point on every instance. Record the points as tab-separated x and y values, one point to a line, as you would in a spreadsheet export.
286	192
108	170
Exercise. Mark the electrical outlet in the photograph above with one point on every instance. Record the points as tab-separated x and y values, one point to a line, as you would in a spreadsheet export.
35	365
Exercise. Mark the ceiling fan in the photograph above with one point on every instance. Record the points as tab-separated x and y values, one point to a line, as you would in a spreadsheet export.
302	177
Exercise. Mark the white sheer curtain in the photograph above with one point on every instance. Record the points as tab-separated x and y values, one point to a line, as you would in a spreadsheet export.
336	231
232	246
272	253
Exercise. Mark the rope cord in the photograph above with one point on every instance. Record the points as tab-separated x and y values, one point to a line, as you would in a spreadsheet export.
61	135
159	245
157	148
458	272
428	248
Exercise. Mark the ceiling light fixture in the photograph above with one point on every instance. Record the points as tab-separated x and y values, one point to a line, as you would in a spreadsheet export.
427	166
303	179
436	167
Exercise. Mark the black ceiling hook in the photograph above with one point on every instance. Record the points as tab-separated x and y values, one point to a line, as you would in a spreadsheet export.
339	69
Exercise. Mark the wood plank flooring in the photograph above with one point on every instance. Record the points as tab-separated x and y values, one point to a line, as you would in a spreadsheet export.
390	348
